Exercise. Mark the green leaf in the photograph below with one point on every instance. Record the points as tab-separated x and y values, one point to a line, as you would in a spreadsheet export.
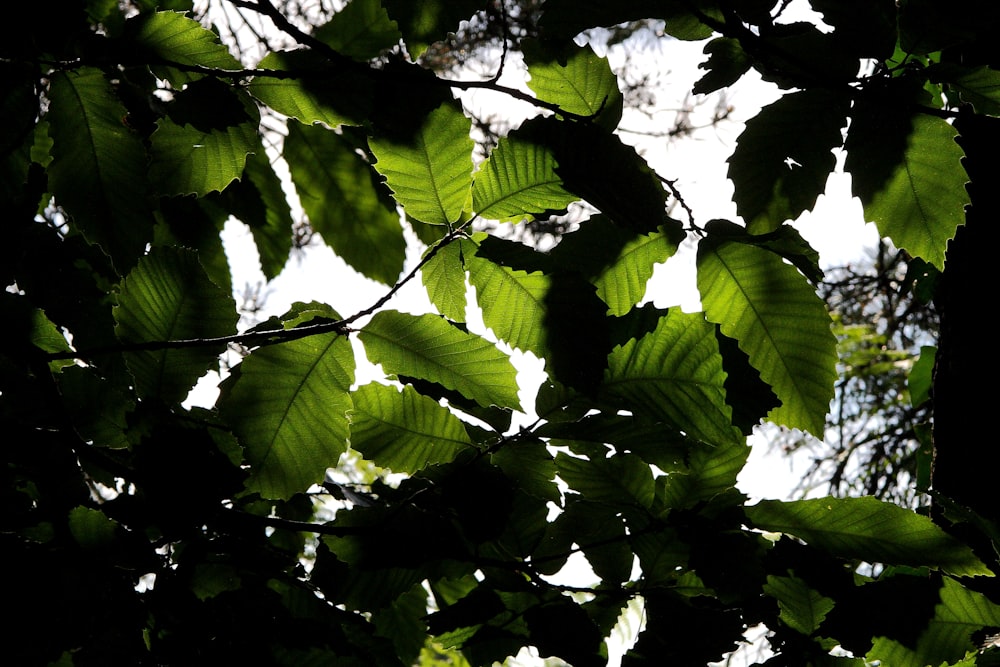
978	86
171	37
429	347
784	157
621	480
339	194
674	373
403	430
271	226
423	23
361	30
512	301
530	466
727	62
443	276
169	297
575	78
211	579
288	405
196	159
778	320
564	18
801	608
91	528
921	377
618	262
402	622
98	410
596	166
960	615
430	173
343	96
259	201
709	471
518	181
868	529
918	199
541	311
98	170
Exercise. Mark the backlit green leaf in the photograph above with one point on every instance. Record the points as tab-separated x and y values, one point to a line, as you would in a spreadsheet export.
423	23
620	480
922	202
779	321
958	618
575	78
98	170
431	172
315	95
403	430
868	529
979	86
288	405
338	193
429	347
784	157
169	297
175	38
361	30
618	262
709	471
443	277
674	373
513	301
189	159
802	608
518	181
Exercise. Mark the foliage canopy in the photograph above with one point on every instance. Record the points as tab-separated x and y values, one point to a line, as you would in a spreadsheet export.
309	519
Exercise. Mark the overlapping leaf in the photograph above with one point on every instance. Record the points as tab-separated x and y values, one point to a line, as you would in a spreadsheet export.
802	608
429	347
338	193
169	297
172	37
868	529
576	79
513	302
961	614
709	471
784	157
518	181
921	201
361	30
269	219
675	374
98	166
443	276
403	430
618	262
345	96
778	320
979	86
620	480
288	405
201	155
430	173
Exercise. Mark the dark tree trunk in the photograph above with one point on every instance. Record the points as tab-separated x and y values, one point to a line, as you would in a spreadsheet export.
966	446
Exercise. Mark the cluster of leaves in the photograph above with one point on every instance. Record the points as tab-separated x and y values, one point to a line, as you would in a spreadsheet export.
144	531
